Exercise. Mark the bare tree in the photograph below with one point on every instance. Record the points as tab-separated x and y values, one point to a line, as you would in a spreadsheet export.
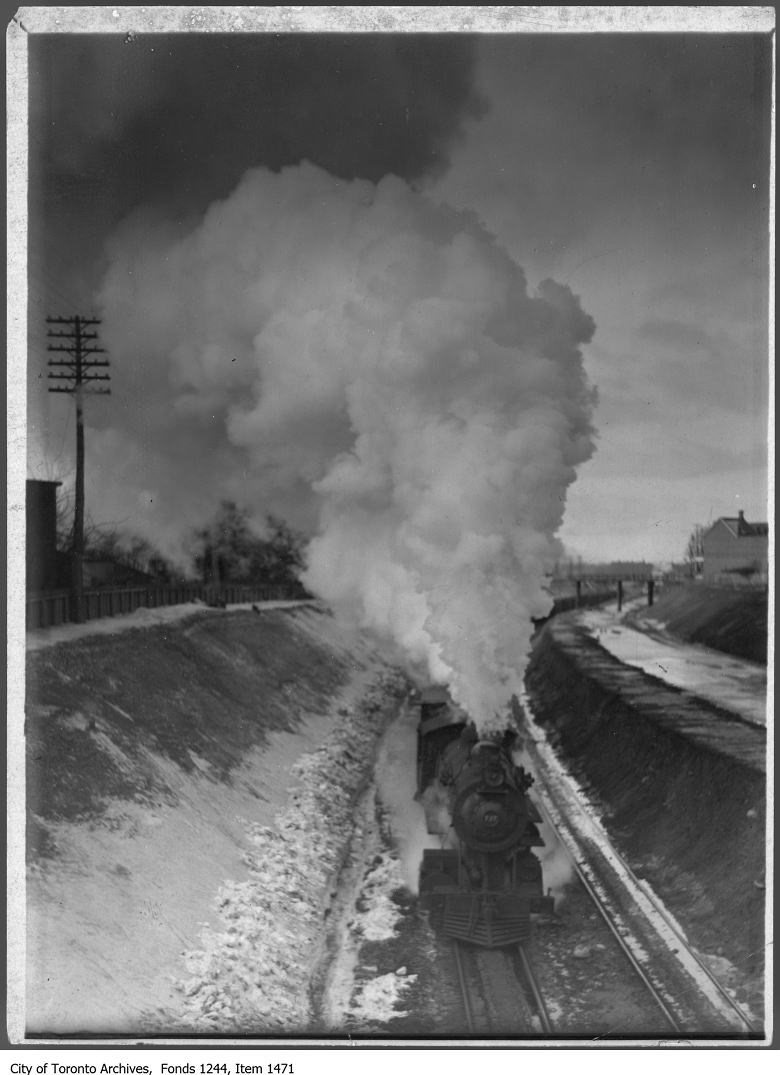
694	550
229	550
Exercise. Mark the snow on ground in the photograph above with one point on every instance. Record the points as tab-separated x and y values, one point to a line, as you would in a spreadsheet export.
109	918
43	637
377	999
204	909
378	915
252	972
728	682
359	998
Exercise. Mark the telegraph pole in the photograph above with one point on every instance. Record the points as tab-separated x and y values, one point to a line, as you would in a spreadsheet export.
78	373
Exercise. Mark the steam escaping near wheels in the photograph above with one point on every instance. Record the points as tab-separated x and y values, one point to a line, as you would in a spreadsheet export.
372	366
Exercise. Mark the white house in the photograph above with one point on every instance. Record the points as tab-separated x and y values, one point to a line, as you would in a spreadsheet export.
735	548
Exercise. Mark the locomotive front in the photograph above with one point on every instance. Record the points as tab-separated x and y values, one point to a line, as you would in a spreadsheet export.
489	803
486	887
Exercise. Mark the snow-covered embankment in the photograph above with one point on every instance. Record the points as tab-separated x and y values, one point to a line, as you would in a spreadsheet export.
190	792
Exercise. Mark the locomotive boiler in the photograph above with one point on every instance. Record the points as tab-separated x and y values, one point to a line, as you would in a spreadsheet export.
485	882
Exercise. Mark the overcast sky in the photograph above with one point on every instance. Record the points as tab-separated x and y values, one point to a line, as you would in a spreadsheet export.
633	168
636	170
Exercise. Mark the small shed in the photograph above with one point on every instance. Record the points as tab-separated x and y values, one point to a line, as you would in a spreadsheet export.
42	561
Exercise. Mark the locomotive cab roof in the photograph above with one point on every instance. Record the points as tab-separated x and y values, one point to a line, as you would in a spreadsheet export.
437	710
435	695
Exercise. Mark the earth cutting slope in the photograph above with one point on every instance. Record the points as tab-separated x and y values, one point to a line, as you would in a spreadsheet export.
681	786
189	797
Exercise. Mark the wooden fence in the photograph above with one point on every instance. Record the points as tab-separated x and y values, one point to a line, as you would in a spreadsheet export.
59	606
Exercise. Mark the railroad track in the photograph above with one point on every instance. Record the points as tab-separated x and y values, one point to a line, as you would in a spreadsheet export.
685	992
466	990
741	1017
538	1000
500	993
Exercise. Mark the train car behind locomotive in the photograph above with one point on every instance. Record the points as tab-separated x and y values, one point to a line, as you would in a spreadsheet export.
485	888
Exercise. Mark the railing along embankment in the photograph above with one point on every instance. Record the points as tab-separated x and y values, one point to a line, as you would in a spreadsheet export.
55	607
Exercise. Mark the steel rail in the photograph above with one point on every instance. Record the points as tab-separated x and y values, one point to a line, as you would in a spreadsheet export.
464	991
541	1007
636	966
661	910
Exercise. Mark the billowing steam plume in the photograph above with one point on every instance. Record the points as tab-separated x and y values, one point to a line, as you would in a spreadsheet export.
376	361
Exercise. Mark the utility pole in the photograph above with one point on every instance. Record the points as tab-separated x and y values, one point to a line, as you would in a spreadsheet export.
77	371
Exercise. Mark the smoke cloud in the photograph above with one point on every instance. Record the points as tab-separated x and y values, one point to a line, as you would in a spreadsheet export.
175	120
373	366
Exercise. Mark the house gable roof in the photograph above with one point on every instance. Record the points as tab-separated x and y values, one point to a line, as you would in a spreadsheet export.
739	527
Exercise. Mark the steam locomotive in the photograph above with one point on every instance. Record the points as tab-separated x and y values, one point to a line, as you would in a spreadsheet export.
484	888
